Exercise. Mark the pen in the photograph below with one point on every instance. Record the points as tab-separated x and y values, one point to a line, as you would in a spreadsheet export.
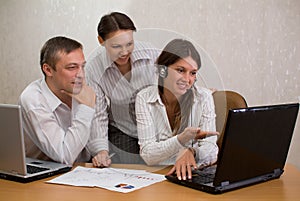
111	155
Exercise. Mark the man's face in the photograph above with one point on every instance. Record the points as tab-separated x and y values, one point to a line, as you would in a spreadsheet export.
69	73
119	46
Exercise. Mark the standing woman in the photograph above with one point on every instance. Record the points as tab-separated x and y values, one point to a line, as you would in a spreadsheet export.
176	119
116	71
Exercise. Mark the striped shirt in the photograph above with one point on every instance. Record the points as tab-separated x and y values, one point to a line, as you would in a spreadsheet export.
115	94
158	145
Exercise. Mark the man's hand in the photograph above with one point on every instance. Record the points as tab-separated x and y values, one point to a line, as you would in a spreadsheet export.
86	95
101	159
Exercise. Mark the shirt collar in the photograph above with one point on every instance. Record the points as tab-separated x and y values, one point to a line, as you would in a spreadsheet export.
154	95
53	100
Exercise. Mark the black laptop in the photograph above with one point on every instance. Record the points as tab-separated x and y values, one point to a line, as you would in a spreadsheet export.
254	149
14	165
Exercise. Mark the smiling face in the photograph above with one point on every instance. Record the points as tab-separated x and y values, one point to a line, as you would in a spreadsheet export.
68	74
119	45
181	76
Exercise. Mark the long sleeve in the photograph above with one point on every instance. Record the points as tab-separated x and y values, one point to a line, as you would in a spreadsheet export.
154	151
158	145
114	93
55	130
99	130
206	149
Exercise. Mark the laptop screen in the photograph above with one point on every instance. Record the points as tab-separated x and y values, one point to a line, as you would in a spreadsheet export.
256	141
12	151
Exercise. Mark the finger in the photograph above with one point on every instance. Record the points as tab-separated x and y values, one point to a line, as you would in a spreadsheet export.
213	133
95	162
106	162
67	93
194	165
189	171
178	173
171	171
183	171
84	81
203	134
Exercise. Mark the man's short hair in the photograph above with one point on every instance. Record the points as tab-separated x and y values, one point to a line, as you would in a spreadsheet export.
51	49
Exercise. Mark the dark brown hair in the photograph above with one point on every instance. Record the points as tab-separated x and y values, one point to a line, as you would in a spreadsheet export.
113	22
174	51
49	52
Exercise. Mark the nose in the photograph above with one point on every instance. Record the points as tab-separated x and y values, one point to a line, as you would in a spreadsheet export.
188	77
125	50
80	72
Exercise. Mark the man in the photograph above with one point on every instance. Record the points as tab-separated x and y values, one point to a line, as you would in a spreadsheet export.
58	109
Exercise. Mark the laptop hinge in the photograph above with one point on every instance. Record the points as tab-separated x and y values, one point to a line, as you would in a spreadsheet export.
225	183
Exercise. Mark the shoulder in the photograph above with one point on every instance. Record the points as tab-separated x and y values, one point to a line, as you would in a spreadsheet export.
37	95
97	53
96	57
149	93
31	89
31	94
96	63
202	93
146	48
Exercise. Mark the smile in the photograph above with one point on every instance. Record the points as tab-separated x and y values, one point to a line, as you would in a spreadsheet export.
182	85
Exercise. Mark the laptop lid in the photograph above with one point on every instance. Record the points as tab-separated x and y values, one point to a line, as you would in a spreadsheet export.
256	143
254	148
12	149
11	140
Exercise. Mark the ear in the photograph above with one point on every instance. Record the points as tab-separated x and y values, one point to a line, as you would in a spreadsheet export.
47	70
101	41
163	71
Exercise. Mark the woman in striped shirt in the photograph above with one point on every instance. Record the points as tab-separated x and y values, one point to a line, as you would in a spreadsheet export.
116	70
176	119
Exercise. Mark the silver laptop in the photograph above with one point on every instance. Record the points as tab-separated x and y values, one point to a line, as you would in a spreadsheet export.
14	165
254	149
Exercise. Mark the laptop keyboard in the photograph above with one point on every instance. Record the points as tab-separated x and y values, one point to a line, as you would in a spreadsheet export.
206	175
33	169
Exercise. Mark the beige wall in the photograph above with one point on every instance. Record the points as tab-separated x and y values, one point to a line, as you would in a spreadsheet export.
249	46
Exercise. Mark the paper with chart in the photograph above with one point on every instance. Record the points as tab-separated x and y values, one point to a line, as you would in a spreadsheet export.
115	179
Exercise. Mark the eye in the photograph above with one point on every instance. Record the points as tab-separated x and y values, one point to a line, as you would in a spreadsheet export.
180	70
193	73
129	44
72	67
116	46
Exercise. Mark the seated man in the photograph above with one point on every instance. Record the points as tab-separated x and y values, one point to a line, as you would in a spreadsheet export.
58	109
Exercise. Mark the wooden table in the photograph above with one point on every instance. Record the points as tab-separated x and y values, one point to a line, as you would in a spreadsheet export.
285	188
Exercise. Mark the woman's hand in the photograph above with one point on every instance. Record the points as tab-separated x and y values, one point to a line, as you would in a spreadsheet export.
101	159
184	164
191	133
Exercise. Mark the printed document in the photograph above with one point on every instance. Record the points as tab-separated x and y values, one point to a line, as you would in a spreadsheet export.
115	179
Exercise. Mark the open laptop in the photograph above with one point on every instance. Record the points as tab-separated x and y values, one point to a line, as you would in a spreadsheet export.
13	163
254	149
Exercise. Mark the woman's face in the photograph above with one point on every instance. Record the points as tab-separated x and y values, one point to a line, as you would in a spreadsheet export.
181	76
119	45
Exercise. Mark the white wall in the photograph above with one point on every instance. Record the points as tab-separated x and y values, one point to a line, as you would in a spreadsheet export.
249	46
